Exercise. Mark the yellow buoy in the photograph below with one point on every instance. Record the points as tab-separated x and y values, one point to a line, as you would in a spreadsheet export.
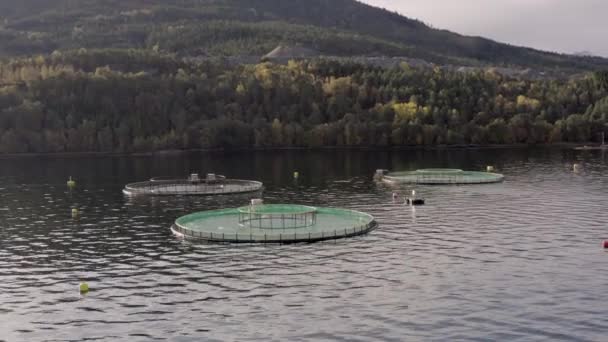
576	167
83	287
296	175
75	212
71	183
490	168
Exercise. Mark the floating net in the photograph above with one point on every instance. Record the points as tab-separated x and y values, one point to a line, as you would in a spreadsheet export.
440	176
211	185
274	223
277	216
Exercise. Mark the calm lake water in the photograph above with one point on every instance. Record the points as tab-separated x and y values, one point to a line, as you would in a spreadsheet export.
521	260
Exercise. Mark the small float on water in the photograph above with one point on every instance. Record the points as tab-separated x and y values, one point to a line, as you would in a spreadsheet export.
273	223
212	184
413	201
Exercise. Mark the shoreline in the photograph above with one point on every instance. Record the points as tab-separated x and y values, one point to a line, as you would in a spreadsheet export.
264	149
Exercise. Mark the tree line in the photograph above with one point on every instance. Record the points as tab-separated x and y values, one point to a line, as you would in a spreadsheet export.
140	100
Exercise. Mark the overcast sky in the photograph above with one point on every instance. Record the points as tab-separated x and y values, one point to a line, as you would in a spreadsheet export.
555	25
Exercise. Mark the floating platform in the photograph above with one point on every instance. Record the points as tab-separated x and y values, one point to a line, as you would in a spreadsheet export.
273	223
592	148
415	201
602	147
194	185
439	177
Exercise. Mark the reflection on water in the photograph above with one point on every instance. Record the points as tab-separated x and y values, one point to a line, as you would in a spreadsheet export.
520	259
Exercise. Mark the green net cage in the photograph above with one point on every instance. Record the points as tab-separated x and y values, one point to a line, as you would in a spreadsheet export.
274	223
194	185
439	177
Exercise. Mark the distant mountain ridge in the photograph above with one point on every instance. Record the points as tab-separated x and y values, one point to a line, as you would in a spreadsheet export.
254	27
585	54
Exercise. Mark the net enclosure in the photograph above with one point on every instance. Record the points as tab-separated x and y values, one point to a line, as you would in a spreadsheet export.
439	176
212	184
274	223
278	216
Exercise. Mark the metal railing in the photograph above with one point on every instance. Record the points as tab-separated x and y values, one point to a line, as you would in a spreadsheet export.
161	187
430	179
278	221
295	237
277	216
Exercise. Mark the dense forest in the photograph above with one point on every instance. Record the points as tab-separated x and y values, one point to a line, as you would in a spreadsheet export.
141	100
205	28
147	75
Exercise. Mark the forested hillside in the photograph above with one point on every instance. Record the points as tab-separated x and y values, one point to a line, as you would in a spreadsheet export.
139	100
144	75
252	27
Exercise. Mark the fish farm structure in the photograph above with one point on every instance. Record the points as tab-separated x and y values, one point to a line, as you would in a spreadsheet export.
439	177
273	223
212	184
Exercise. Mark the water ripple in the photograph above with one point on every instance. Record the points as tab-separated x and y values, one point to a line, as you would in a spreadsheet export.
518	260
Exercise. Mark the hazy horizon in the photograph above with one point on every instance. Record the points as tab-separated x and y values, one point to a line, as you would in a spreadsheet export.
554	25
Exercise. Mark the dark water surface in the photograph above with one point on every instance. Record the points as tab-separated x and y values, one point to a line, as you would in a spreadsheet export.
519	260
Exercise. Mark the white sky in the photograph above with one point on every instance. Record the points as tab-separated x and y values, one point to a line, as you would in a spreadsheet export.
567	26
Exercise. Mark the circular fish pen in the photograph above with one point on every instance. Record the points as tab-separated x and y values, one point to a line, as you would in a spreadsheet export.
439	177
273	223
194	185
